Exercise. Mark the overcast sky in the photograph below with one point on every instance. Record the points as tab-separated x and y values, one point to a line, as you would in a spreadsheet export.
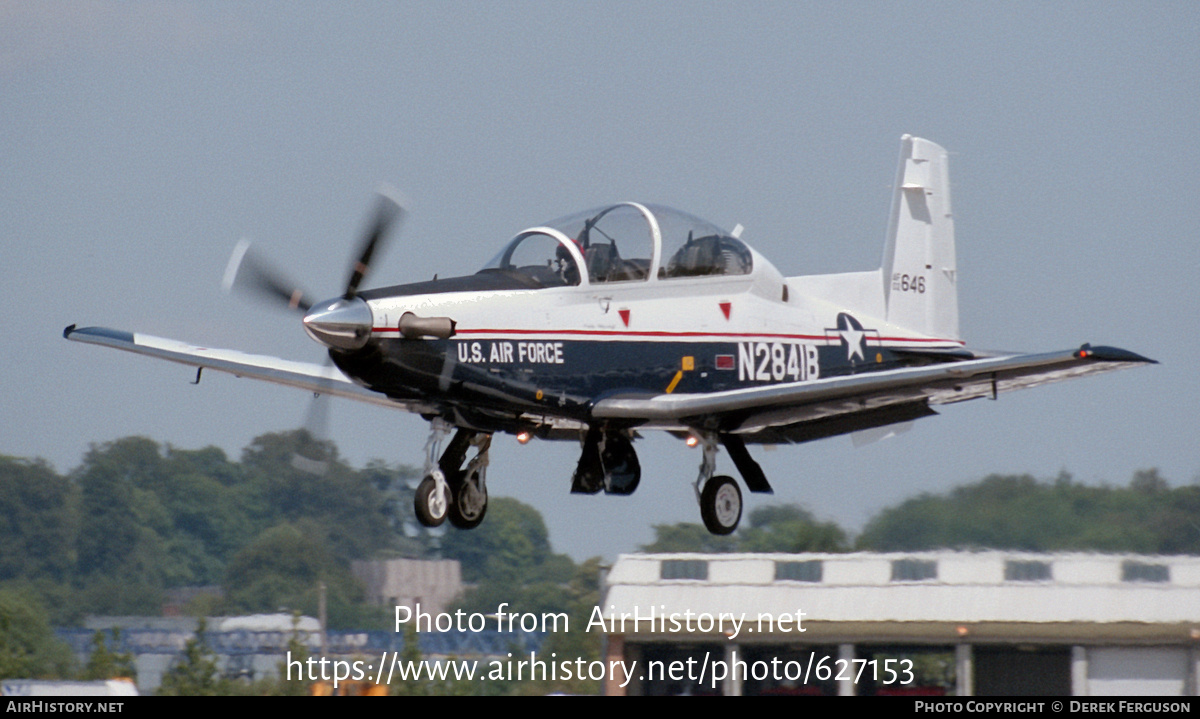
142	140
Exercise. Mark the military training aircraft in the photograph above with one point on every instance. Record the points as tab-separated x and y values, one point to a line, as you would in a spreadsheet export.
635	317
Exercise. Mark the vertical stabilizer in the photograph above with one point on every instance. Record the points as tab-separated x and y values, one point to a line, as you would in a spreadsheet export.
920	276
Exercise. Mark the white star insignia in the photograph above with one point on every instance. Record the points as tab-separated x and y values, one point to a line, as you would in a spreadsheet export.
854	342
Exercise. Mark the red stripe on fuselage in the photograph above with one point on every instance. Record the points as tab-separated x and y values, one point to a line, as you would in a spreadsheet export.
627	333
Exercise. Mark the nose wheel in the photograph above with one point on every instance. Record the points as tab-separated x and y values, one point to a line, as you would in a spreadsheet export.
430	502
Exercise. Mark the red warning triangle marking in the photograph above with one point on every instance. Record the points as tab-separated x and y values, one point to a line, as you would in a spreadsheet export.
725	308
624	316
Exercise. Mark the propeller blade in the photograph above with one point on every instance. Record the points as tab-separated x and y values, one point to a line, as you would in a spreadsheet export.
313	458
248	272
388	210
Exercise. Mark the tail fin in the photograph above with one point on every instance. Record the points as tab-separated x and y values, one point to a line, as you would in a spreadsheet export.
920	276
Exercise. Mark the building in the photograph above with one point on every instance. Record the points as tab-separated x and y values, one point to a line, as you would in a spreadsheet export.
432	583
985	623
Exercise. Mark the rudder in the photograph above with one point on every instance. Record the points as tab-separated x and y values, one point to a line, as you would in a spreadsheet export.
920	273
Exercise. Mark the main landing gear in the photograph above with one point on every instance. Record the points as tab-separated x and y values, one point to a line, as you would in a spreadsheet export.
720	497
449	490
608	462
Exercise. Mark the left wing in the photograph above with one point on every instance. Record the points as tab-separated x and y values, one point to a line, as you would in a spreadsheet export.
312	377
803	411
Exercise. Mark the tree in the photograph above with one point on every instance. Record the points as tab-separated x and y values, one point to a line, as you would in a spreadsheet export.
28	648
194	674
283	568
1018	512
512	546
103	663
393	484
774	528
789	528
687	537
37	521
110	530
346	508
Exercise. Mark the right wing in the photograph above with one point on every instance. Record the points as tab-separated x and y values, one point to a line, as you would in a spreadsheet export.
320	379
803	411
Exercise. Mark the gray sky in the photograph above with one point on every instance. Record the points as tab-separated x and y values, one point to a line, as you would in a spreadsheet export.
142	140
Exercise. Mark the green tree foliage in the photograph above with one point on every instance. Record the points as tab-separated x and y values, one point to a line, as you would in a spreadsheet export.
774	528
688	537
789	528
510	560
37	521
1021	513
103	663
348	509
581	594
425	687
512	545
28	648
283	569
194	674
137	518
118	519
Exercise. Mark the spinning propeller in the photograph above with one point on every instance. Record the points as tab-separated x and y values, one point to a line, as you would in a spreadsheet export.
343	323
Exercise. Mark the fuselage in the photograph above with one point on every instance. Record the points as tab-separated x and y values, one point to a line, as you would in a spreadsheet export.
548	344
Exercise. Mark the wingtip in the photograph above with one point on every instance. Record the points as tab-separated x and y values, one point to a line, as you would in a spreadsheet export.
1112	354
67	332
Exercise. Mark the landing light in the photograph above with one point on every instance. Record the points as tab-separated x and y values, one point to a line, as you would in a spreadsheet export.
692	440
523	437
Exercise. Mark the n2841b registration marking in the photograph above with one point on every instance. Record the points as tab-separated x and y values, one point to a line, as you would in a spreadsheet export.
777	362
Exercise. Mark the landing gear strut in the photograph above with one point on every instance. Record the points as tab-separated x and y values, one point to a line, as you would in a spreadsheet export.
608	462
720	497
469	488
449	490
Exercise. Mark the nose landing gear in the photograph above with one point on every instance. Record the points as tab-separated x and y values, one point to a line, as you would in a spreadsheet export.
448	490
469	488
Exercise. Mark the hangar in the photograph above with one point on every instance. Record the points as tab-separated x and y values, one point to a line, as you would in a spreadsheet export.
924	623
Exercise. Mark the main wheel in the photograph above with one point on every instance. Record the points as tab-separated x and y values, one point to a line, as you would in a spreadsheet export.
721	505
430	505
469	504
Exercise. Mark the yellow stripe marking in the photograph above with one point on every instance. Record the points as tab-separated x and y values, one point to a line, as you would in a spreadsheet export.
674	382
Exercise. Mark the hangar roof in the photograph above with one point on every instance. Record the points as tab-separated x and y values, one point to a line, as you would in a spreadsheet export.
921	596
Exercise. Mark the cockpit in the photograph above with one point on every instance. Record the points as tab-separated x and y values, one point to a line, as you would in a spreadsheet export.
626	242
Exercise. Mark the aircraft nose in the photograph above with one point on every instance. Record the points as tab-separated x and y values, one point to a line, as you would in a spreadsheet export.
340	324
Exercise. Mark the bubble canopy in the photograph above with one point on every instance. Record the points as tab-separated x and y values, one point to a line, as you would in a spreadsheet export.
625	242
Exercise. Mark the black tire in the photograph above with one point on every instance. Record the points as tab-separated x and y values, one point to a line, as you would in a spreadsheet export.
430	512
721	505
469	505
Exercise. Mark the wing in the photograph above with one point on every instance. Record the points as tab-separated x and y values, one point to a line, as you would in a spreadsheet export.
321	379
804	411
